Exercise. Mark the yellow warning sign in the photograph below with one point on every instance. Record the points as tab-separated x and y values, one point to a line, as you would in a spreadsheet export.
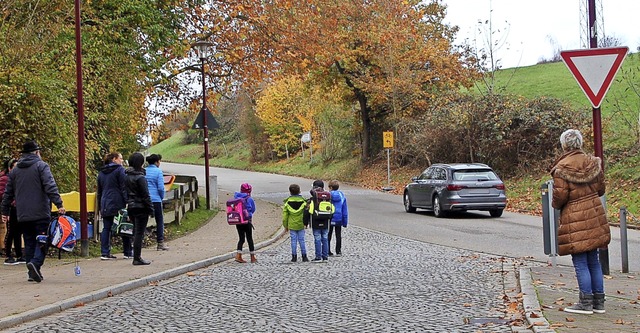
387	139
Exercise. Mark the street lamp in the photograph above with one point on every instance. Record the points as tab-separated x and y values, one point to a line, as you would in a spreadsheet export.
203	49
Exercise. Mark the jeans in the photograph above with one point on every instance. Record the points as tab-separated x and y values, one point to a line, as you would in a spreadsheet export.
35	252
105	238
588	272
321	238
159	216
297	237
245	231
338	229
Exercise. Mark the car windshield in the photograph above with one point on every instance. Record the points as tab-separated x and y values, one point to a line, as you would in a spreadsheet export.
474	175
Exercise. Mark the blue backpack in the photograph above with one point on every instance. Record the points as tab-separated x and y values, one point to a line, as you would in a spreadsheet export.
62	233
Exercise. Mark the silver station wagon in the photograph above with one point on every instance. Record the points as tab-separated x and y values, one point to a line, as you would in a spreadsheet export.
442	188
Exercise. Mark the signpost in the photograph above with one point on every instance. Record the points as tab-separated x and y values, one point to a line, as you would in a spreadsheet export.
387	142
306	138
594	69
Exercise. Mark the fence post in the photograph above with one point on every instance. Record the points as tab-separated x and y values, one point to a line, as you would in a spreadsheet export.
624	251
549	222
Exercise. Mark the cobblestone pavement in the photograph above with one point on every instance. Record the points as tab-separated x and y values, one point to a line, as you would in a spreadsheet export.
382	284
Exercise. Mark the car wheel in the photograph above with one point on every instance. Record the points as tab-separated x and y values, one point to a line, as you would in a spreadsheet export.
437	208
407	203
495	212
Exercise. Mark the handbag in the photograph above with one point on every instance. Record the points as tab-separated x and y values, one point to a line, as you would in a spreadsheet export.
121	224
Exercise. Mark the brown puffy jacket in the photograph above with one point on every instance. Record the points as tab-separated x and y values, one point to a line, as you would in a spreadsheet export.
578	183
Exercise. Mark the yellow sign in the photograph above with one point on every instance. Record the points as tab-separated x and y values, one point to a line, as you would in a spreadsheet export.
387	139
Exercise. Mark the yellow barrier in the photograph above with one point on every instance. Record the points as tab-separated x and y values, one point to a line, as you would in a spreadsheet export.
71	202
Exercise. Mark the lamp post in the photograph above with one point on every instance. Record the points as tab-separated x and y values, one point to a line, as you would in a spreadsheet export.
203	49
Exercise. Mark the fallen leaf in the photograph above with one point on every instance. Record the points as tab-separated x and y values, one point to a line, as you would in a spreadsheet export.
544	306
467	305
558	325
109	294
191	274
570	319
77	305
619	322
513	307
608	277
619	292
634	302
534	315
539	323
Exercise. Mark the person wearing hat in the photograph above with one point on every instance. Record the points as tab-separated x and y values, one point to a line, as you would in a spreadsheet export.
245	231
32	186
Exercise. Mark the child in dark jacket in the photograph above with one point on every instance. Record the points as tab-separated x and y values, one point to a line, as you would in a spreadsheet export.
292	221
340	217
245	230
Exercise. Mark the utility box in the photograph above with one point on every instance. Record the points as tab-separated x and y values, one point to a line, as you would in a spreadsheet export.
550	218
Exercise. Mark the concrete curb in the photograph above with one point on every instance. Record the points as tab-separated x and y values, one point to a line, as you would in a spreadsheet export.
532	308
72	302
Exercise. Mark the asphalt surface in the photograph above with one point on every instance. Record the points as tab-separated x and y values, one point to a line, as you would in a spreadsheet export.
383	283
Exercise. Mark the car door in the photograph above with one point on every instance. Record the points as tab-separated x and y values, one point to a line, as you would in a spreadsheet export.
435	184
421	187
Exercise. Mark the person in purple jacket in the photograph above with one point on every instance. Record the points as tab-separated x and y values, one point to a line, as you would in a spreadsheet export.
340	217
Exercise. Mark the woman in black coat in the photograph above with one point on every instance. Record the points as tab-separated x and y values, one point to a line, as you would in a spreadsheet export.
112	197
139	204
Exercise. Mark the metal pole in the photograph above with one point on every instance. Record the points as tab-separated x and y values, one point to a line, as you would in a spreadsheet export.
603	252
82	173
624	250
553	226
205	114
388	170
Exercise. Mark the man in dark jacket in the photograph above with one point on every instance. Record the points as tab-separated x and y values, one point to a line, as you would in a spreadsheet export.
32	186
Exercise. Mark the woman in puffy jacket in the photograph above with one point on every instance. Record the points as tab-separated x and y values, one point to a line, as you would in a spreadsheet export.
139	205
578	184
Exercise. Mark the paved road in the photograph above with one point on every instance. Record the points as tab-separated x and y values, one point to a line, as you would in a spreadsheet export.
383	283
512	235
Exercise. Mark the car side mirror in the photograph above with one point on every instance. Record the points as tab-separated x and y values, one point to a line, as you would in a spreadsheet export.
414	179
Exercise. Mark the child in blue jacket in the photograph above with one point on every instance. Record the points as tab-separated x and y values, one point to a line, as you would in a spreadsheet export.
340	217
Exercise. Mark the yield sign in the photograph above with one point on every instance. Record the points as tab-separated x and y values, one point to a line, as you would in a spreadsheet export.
594	69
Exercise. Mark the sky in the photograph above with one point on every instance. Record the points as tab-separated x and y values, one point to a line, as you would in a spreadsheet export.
531	30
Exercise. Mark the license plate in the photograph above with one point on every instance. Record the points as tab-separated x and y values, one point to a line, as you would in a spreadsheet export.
478	191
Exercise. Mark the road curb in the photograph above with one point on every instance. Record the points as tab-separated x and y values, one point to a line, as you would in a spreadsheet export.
532	308
43	311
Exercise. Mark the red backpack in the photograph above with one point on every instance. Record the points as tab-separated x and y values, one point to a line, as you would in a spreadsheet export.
237	212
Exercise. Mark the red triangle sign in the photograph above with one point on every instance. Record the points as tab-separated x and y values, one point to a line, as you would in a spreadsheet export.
594	69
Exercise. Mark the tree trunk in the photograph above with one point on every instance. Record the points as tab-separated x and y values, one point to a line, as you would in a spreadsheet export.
366	126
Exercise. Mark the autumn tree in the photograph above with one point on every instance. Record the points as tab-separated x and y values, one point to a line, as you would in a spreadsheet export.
125	44
393	55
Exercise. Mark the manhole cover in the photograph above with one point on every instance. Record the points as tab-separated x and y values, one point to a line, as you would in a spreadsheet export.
486	320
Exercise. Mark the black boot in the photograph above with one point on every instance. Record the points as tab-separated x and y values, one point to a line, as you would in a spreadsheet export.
304	258
294	258
140	261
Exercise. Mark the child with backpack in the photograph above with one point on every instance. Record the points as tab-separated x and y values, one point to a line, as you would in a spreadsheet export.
245	229
293	221
319	214
340	217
